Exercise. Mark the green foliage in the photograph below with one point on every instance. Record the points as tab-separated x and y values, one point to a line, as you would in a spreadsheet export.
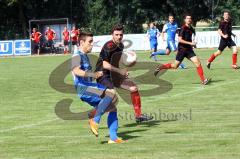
100	15
233	7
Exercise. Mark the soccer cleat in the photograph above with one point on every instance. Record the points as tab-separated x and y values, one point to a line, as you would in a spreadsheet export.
235	67
93	127
209	65
206	81
182	66
143	117
151	56
117	141
154	57
156	71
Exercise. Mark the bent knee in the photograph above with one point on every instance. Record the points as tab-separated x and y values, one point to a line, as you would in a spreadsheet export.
133	88
218	53
115	100
110	92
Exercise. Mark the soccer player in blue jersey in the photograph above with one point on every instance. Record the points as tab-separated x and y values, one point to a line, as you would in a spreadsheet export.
96	95
171	29
153	33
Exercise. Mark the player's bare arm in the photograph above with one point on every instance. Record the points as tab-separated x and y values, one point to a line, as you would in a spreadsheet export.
77	71
162	34
108	66
221	34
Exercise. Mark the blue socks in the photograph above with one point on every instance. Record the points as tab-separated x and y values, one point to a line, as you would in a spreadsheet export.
113	125
103	104
160	52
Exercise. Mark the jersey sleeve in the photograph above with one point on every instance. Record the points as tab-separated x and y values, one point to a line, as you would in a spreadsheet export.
220	26
75	61
181	33
164	28
104	54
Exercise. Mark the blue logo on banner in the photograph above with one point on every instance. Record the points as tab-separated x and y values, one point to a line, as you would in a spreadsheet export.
6	48
22	47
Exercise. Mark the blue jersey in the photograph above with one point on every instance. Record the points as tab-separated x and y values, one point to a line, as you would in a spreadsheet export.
153	34
81	60
171	30
82	84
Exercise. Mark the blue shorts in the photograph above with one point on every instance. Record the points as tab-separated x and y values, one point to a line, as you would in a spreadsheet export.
89	97
171	45
153	45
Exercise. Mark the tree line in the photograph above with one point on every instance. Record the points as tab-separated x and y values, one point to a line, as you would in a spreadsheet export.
100	15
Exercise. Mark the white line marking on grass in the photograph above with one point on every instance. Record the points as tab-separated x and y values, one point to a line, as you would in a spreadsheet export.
57	136
199	89
27	126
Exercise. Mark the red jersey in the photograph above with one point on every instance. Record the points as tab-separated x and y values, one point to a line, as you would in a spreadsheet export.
65	35
36	37
74	35
50	34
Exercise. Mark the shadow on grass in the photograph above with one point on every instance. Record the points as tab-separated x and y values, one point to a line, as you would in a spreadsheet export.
125	135
212	81
147	124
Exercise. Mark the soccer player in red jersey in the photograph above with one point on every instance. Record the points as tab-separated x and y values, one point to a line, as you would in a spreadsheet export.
74	37
115	77
50	36
35	37
65	34
185	49
225	31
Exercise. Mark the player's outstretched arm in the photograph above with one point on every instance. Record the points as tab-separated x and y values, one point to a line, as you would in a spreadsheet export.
108	66
77	71
234	35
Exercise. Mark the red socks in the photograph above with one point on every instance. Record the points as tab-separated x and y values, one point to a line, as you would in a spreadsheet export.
234	59
200	73
167	66
211	58
136	101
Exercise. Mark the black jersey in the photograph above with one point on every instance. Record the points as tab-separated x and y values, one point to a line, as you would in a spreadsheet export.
111	53
226	28
186	34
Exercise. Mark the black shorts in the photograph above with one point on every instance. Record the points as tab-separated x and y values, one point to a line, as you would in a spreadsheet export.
226	43
106	81
111	81
65	42
36	45
74	42
50	43
182	53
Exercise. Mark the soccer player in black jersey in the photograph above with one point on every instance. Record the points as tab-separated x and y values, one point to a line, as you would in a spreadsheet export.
225	31
113	76
185	49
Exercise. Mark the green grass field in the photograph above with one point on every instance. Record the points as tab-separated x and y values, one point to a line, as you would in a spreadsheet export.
192	121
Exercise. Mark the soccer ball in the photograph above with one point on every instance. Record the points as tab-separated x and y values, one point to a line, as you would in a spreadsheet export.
129	58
